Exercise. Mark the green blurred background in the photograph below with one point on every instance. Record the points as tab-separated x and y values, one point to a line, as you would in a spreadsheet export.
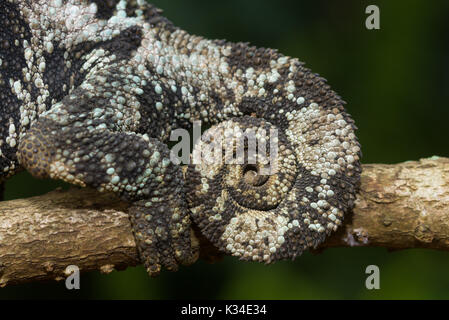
396	83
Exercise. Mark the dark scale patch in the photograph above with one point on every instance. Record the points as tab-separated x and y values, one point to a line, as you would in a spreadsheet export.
106	8
299	242
345	188
314	88
82	104
244	56
152	119
124	44
4	162
230	94
212	231
57	74
252	106
13	28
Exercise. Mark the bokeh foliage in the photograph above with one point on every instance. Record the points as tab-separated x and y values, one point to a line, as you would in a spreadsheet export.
396	83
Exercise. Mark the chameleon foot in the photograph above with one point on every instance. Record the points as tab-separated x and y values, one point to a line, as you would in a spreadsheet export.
162	230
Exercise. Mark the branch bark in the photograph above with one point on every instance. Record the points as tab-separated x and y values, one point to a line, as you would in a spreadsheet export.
399	206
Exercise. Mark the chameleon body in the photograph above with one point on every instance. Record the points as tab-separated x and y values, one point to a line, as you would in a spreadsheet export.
90	91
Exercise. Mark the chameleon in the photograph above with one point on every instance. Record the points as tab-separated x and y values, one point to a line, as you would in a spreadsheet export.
91	90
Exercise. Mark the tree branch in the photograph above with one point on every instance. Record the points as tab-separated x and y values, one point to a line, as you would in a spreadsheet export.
399	206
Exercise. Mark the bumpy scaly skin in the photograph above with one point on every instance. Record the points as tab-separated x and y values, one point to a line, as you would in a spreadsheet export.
90	90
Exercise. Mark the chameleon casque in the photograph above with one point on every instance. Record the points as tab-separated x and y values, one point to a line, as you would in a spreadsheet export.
90	91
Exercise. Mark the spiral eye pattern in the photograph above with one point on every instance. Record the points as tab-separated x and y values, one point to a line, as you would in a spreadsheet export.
272	205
